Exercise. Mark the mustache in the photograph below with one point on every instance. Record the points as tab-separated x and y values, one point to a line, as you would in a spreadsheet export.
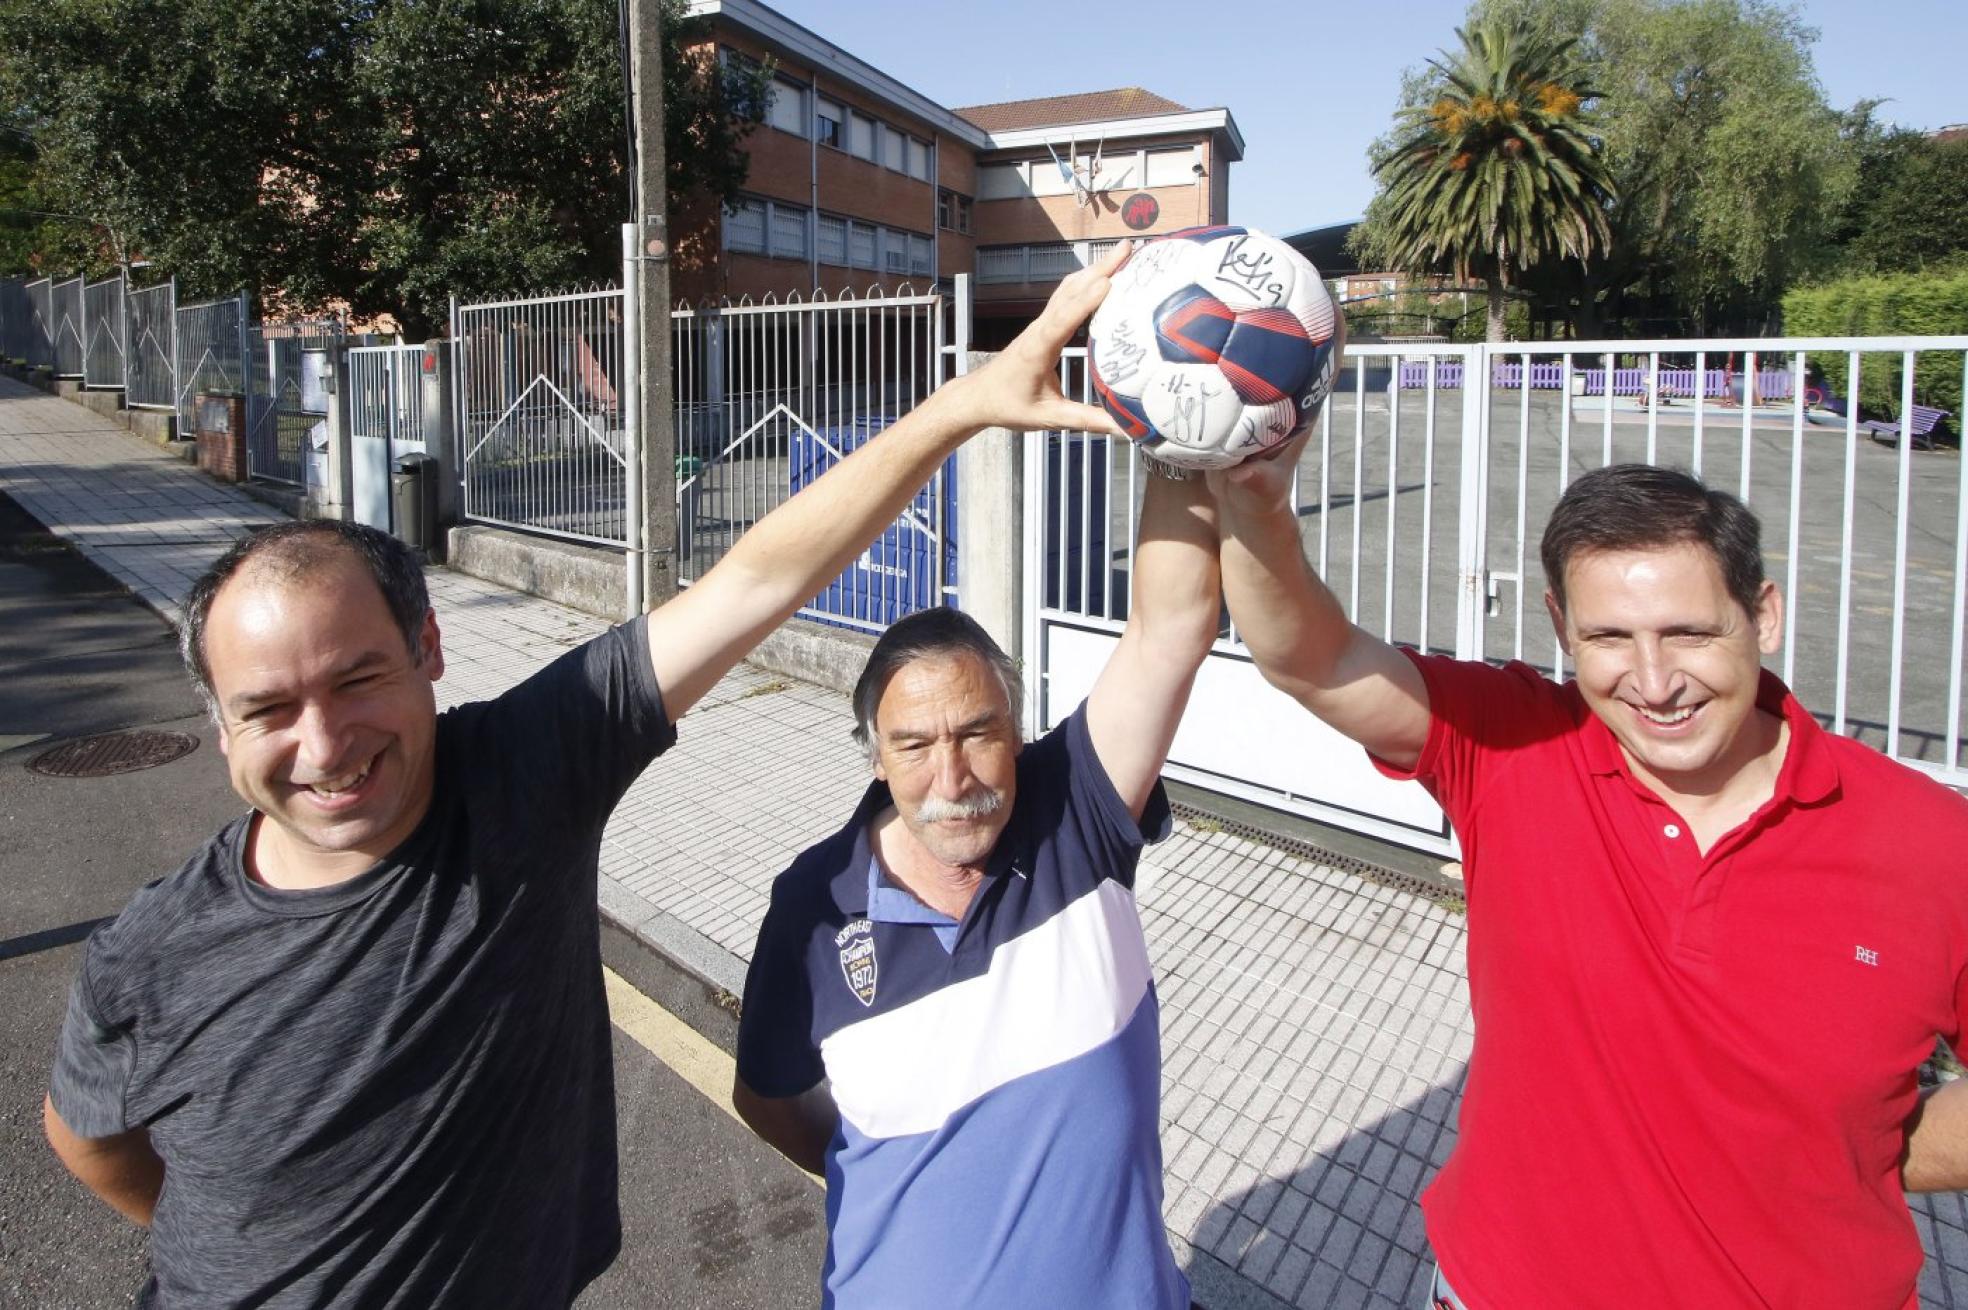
973	806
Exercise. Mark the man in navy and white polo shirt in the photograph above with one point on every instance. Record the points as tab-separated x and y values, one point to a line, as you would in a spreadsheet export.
1710	943
950	1011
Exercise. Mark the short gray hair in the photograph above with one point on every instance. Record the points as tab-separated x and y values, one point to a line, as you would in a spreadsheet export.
928	634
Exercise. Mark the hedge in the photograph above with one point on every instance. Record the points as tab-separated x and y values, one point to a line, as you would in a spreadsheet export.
1888	305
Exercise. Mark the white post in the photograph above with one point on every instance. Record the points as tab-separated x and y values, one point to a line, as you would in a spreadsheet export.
1472	596
991	515
456	435
630	391
1031	530
124	304
173	314
963	316
338	494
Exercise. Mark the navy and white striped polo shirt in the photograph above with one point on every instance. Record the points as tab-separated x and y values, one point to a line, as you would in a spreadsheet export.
998	1078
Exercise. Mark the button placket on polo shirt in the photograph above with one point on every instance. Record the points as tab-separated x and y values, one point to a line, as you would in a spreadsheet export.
1697	932
1693	880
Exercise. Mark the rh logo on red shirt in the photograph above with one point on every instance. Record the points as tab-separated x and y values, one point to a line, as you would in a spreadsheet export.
1867	957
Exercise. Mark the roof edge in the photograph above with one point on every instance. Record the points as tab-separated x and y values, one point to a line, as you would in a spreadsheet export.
776	29
1210	120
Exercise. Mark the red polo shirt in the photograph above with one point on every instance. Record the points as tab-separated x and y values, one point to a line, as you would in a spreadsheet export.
1691	1071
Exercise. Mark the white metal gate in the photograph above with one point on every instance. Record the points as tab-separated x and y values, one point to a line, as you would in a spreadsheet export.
66	328
152	370
768	397
544	387
285	367
1426	487
386	419
106	332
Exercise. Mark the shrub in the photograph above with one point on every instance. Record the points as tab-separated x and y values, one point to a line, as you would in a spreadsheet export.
1932	303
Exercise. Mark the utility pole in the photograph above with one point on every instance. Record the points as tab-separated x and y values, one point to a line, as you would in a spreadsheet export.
655	417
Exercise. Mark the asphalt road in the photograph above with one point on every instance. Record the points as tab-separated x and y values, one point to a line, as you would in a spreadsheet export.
711	1218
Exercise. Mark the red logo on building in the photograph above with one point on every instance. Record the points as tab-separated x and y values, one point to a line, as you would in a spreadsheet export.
1140	210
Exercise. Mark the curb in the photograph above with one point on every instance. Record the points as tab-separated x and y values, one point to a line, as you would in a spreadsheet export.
672	964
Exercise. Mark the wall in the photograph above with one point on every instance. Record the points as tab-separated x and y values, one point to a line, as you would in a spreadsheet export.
827	179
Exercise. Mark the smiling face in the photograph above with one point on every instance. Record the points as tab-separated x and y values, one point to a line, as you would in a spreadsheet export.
327	721
947	746
1670	661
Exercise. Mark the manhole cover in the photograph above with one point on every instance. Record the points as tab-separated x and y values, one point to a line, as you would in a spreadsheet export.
112	752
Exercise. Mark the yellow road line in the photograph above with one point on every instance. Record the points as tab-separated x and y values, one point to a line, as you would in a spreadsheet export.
694	1057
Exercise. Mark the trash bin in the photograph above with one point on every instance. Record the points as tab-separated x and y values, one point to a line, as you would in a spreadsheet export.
413	499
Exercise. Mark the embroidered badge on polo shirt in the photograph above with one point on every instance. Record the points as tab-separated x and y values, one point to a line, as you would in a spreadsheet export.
857	957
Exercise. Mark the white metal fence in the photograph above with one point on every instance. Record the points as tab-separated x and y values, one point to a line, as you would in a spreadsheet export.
211	354
66	328
387	418
41	333
1425	489
103	328
768	397
542	386
17	326
286	365
26	321
151	363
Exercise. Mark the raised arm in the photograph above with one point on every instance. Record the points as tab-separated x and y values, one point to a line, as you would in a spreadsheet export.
1138	699
1295	628
788	555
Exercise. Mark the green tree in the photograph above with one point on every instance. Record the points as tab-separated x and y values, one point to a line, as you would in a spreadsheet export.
1499	170
384	154
502	144
1730	166
217	138
29	229
1909	208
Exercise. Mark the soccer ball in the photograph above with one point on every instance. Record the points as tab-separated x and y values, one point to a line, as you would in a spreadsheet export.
1213	344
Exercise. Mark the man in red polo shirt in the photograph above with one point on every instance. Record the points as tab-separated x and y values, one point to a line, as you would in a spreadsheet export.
1710	943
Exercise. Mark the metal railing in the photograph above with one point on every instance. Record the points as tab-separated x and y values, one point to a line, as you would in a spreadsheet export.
151	369
1422	503
210	351
66	328
769	397
103	352
541	424
41	332
386	418
286	365
16	319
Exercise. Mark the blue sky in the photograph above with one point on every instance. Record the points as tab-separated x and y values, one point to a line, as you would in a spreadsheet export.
1309	82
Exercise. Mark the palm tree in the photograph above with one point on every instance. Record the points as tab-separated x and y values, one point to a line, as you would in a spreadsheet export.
1500	170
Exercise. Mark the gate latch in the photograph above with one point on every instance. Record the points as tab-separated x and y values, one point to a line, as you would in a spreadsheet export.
1492	593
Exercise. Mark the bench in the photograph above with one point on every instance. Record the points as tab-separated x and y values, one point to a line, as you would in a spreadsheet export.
1922	422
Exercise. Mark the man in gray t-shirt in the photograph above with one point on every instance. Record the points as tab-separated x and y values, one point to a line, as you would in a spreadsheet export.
355	1052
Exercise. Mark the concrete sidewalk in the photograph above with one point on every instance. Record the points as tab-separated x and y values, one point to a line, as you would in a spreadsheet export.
1315	1026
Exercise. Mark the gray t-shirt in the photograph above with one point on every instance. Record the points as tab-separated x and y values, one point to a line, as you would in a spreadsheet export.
397	1091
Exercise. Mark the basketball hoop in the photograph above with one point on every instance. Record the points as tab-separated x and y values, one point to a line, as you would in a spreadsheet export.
1083	179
